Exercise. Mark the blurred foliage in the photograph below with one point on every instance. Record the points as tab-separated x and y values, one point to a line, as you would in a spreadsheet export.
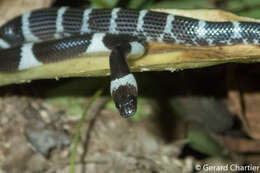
200	140
248	8
71	95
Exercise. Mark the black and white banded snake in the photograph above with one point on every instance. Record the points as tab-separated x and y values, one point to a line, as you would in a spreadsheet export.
55	34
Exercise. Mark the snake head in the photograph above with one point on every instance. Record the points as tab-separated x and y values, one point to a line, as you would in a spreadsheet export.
127	107
125	98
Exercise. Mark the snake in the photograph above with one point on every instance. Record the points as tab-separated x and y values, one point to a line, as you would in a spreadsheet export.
51	35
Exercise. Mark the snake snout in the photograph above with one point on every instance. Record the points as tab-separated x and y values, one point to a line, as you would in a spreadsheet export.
127	107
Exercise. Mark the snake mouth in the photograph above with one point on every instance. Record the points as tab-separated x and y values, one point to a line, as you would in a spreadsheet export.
127	107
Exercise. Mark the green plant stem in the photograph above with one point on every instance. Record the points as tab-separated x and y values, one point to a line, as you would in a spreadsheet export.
79	125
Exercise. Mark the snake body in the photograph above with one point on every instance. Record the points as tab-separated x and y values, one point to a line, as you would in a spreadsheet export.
54	34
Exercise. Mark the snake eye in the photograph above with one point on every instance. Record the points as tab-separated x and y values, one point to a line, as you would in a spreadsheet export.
127	106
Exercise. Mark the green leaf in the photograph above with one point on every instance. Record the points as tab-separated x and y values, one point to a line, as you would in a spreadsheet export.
71	95
201	141
71	104
249	8
190	4
103	3
252	13
136	3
